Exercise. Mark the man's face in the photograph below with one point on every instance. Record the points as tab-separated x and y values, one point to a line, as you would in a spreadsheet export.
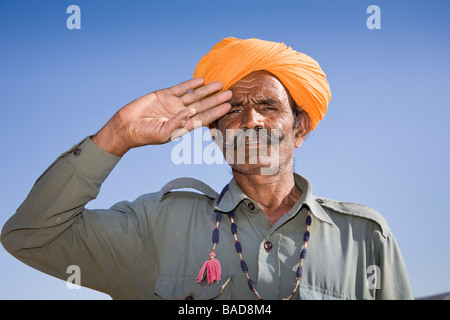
259	101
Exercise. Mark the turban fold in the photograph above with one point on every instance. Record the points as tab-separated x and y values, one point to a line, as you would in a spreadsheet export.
232	59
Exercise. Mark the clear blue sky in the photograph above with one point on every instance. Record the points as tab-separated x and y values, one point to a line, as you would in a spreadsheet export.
384	142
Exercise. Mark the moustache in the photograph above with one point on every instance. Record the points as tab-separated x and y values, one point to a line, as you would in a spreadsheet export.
260	136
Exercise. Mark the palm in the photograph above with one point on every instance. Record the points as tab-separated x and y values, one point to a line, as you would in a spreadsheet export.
159	116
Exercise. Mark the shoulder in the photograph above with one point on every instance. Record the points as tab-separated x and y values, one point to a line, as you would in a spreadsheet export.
355	210
184	195
178	195
202	190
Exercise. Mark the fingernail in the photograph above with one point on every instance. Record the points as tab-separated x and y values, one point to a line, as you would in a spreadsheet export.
191	113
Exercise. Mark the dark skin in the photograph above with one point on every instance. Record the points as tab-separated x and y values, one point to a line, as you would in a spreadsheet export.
256	101
157	117
261	101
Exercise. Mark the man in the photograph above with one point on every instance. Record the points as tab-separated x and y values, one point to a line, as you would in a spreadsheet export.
155	246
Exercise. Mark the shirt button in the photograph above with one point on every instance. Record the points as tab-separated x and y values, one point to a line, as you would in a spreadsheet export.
76	152
268	245
251	206
319	200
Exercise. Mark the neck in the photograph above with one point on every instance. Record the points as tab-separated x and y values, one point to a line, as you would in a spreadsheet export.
276	194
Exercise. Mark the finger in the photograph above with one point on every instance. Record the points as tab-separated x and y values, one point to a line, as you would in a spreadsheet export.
212	101
207	117
186	86
202	92
180	120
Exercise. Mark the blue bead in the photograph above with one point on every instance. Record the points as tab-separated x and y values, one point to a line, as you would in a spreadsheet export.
233	228
306	236
251	285
222	193
231	214
218	216
299	272
308	220
238	247
303	254
215	236
244	266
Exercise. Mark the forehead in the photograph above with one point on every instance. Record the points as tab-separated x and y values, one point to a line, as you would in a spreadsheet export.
260	84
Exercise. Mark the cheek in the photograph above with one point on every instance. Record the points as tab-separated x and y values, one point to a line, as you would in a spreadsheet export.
226	123
224	132
283	124
291	140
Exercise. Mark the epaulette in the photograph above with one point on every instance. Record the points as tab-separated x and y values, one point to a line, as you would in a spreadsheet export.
191	183
358	210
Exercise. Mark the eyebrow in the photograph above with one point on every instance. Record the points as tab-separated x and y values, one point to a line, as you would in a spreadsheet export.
256	100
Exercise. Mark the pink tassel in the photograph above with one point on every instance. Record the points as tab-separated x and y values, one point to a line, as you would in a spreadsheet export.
210	272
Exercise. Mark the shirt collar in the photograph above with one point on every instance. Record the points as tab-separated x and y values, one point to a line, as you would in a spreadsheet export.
233	195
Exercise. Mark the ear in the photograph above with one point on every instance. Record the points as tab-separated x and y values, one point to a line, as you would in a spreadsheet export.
302	130
298	138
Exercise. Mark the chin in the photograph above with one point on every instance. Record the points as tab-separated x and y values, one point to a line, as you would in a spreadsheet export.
256	169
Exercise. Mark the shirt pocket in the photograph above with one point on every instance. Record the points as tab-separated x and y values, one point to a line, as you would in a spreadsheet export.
182	288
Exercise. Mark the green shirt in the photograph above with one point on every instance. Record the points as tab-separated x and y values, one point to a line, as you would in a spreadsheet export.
154	247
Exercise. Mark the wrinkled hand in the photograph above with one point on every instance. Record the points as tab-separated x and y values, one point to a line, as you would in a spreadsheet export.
163	115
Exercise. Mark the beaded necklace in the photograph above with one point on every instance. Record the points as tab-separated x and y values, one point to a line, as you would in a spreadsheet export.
211	270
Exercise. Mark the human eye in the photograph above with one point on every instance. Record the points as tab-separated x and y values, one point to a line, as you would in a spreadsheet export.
235	110
268	108
268	105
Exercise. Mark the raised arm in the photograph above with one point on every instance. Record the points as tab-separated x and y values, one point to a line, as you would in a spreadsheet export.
52	230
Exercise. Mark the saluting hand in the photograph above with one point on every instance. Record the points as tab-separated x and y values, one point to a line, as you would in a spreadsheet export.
160	116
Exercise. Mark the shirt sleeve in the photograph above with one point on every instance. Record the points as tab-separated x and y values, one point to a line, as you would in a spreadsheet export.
393	277
53	230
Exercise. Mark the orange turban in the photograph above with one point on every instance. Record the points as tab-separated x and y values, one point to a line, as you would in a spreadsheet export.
232	59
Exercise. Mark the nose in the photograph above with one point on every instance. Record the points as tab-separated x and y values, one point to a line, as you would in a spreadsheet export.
252	119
